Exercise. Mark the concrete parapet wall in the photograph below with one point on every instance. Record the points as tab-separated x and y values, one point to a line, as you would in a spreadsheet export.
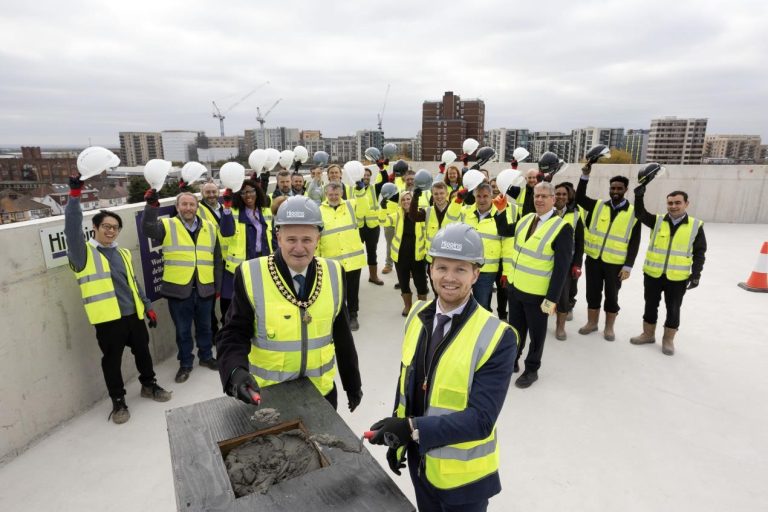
50	362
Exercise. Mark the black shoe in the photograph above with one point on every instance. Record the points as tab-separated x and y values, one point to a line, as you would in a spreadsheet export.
516	369
156	393
353	323
183	374
526	379
211	363
119	412
397	286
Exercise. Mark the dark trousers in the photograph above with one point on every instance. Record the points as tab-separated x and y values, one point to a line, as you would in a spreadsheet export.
352	290
528	319
370	237
673	299
573	290
601	275
567	296
407	267
483	289
214	320
113	337
501	297
427	499
185	311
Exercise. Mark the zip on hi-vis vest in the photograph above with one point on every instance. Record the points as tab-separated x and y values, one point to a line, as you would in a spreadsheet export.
302	305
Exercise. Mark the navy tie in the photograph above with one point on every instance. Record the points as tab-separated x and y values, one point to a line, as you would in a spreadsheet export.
299	284
437	335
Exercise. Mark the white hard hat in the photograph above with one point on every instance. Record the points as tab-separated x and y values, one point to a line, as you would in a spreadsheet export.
469	146
472	178
286	158
273	156
256	160
507	178
520	154
300	154
299	210
155	172
232	176
95	160
192	171
448	157
353	172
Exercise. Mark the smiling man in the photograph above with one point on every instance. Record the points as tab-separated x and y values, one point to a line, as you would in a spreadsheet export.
287	319
456	366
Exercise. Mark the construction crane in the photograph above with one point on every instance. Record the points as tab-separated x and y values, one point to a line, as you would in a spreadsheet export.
380	115
218	114
262	118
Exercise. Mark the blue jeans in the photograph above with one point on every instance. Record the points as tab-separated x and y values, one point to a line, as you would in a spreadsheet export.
483	289
183	312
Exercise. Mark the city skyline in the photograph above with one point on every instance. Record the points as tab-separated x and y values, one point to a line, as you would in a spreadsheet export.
92	70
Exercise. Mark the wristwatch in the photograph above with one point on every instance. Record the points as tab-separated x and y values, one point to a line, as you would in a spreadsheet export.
414	429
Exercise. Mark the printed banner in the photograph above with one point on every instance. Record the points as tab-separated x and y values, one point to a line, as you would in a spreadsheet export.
152	255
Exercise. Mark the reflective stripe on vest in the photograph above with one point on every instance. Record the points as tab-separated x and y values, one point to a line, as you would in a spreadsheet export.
181	256
283	346
672	256
340	239
98	290
452	466
533	260
236	243
419	232
486	228
608	239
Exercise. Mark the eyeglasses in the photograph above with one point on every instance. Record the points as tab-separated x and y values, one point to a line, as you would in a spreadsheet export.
109	227
249	192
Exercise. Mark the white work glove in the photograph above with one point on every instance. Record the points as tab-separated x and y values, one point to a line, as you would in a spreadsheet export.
548	307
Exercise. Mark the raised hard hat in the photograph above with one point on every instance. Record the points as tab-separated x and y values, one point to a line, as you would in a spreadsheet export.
400	167
353	172
300	154
273	156
507	178
286	158
388	190
256	160
95	160
448	157
520	154
155	172
458	241
484	154
469	146
549	162
650	171
232	175
192	171
372	154
299	210
598	152
320	158
423	180
389	150
472	178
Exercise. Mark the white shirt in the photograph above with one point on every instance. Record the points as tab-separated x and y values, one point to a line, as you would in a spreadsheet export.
543	218
451	313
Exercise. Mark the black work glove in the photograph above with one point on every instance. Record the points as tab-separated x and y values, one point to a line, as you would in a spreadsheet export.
354	398
693	282
264	180
75	183
587	168
513	191
394	464
359	185
242	385
151	197
380	164
296	166
640	191
469	198
548	177
393	432
465	159
395	198
417	194
383	204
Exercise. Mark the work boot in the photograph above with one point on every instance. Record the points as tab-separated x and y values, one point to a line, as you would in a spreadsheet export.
593	315
648	336
211	364
374	275
407	302
155	392
183	374
119	412
560	327
387	268
570	316
610	319
526	379
421	297
353	324
667	341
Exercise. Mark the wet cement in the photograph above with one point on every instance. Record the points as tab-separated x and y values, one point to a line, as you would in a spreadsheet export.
266	416
256	465
335	442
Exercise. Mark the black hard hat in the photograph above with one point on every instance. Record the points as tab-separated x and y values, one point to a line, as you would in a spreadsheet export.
484	154
400	167
647	173
597	152
549	162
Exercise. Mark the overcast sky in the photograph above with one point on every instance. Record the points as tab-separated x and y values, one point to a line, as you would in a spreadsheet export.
70	71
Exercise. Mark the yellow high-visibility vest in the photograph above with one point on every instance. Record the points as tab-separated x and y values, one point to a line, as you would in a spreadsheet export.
283	346
367	207
533	260
98	290
455	465
206	214
608	239
669	255
340	238
396	219
486	228
181	255
236	250
431	227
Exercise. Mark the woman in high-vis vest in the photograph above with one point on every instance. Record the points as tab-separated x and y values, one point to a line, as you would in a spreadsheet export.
453	179
246	230
114	301
368	209
456	367
408	249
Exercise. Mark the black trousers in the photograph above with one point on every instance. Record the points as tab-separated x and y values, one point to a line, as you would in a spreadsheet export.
407	267
214	320
568	295
113	337
528	319
352	290
370	237
673	298
603	276
574	289
501	297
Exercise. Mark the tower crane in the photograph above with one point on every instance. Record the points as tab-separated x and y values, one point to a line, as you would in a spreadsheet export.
380	115
221	116
262	118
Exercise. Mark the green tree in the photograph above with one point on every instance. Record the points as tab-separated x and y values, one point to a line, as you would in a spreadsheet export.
618	156
137	186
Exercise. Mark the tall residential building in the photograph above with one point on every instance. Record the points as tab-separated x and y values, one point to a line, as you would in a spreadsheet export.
732	149
367	139
636	144
676	141
343	149
278	138
137	148
557	142
180	145
505	141
308	135
445	124
584	139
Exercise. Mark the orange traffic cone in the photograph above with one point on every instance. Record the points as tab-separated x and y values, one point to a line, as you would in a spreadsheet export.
758	280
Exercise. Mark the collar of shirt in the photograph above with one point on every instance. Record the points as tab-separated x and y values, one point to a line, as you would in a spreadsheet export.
192	227
481	216
451	313
294	274
678	220
96	244
616	207
544	218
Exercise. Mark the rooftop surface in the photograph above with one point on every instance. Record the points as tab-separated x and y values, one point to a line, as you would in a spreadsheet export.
608	426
